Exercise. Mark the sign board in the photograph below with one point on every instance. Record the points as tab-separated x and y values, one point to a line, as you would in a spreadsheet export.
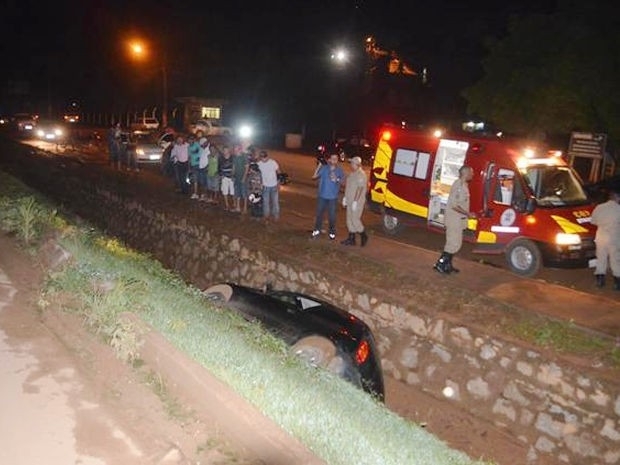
587	145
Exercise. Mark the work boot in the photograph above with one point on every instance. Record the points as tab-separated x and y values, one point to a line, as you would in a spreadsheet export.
600	280
443	263
363	238
617	283
350	240
450	266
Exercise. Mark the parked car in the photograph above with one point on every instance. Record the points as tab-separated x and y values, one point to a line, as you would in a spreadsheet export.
345	149
317	331
211	127
145	124
146	147
50	130
24	121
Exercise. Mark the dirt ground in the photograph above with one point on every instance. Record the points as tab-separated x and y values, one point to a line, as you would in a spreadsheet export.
75	402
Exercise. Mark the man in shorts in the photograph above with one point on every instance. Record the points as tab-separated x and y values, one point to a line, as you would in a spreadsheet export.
227	171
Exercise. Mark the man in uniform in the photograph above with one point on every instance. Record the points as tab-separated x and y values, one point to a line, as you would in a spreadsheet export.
353	200
456	216
606	217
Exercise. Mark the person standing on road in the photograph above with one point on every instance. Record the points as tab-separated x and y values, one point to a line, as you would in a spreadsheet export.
330	178
456	216
240	162
354	200
115	145
194	151
180	158
227	171
606	216
269	170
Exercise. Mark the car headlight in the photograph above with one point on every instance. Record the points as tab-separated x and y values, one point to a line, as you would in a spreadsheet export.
58	132
140	151
40	133
567	239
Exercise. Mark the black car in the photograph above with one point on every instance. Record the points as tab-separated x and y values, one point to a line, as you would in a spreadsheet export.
324	335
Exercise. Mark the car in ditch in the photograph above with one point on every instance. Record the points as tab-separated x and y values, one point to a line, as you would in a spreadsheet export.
318	332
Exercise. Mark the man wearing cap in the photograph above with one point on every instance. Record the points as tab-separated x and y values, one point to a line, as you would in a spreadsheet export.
606	216
354	200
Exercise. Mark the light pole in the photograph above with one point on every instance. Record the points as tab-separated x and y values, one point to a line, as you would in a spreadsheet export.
138	51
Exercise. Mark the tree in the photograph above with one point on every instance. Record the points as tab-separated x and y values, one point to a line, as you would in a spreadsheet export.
554	73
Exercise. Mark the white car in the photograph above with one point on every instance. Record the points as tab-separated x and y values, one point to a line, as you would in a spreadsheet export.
146	147
210	127
145	123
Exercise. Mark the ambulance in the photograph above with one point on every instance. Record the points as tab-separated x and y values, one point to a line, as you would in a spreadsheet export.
530	204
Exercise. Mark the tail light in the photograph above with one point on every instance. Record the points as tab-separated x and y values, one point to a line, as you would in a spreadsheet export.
362	352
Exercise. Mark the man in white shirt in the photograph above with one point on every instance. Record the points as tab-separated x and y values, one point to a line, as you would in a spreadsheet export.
269	170
180	158
606	217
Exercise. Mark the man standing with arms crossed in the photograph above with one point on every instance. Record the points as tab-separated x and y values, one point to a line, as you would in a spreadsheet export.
456	216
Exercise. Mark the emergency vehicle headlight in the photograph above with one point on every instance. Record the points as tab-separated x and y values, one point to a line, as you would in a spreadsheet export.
567	239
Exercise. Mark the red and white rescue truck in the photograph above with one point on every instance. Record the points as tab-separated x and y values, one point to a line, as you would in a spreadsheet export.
530	204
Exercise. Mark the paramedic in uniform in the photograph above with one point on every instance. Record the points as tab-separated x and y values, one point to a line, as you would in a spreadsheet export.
606	217
354	198
456	216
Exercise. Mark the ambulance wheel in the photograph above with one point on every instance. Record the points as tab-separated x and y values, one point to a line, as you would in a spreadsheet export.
524	257
391	224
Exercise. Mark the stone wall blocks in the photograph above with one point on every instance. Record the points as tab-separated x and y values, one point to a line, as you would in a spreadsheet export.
544	444
478	388
549	373
610	430
525	368
444	355
461	337
437	330
409	358
504	407
418	325
488	352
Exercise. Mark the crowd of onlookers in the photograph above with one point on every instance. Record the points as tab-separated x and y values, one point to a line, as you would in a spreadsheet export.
235	177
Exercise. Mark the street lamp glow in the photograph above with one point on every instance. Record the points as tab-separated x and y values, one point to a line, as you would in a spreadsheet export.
340	55
138	49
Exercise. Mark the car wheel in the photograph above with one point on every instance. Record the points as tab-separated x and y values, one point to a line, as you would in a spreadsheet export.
220	293
318	351
524	257
391	224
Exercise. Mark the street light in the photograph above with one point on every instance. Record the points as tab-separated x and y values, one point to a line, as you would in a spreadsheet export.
139	51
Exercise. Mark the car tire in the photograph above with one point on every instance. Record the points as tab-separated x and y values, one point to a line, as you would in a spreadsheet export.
219	293
318	351
523	257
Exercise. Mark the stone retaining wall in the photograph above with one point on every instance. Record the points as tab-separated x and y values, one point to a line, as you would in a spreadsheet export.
564	413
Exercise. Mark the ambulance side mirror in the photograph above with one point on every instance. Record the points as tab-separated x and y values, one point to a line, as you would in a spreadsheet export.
527	205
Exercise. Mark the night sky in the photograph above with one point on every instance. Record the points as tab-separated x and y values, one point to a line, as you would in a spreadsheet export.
71	50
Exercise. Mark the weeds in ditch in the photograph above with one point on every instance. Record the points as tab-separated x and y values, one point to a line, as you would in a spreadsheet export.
565	337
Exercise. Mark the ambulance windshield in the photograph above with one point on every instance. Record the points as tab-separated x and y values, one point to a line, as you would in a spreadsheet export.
554	186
